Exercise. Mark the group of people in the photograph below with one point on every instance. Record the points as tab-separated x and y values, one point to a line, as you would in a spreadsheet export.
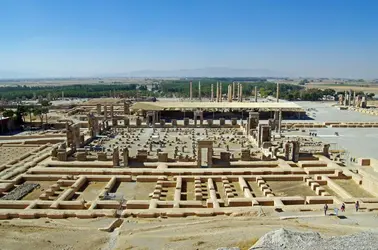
356	205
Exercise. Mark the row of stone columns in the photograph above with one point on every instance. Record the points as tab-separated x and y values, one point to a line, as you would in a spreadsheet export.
358	101
191	91
231	94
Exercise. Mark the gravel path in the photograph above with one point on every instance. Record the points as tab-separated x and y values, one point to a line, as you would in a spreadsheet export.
286	239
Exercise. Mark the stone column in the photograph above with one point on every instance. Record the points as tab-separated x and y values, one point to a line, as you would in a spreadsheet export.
111	111
326	149
345	98
125	157
114	122
126	108
98	109
174	122
241	93
350	98
186	121
279	121
364	102
354	98
191	91
295	151
278	92
115	156
138	122
105	111
229	93
220	91
238	92
212	93
199	90
76	133
217	91
69	136
126	122
103	126
255	93
233	90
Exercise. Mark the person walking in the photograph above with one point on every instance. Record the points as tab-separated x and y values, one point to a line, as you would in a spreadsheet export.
325	209
357	205
343	207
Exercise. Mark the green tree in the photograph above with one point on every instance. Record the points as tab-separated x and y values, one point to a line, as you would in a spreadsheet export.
8	113
370	95
330	92
45	111
303	82
143	87
45	103
45	108
30	112
38	112
22	111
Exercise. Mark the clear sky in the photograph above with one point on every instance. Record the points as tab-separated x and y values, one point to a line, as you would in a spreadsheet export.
331	38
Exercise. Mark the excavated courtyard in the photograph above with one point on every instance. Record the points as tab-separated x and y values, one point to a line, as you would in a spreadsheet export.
117	166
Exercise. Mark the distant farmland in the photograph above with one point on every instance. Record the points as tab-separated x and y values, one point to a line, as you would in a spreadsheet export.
371	88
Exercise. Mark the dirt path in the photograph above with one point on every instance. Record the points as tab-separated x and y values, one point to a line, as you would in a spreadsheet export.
172	233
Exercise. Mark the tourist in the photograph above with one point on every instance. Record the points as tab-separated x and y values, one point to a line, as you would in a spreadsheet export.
343	207
357	206
325	209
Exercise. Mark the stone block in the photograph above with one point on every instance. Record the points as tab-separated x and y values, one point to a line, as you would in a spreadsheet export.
163	157
225	156
198	196
363	162
186	121
101	156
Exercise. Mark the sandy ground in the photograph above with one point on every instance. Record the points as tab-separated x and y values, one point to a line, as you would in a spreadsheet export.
173	233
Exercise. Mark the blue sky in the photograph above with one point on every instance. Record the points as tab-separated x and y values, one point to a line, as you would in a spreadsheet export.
330	38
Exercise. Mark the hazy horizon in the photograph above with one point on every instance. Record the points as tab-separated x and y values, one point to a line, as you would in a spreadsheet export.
44	39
